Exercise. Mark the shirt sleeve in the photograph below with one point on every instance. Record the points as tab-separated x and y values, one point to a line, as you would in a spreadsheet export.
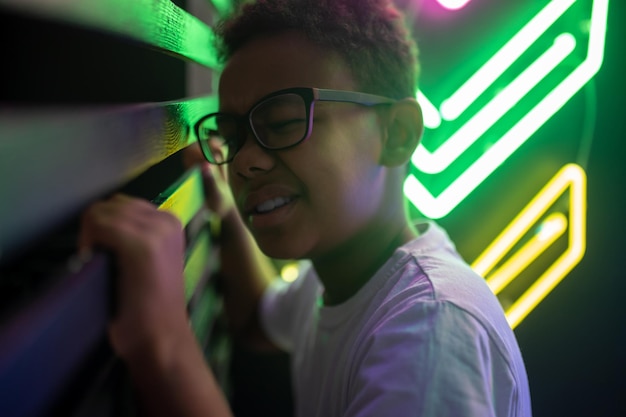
433	359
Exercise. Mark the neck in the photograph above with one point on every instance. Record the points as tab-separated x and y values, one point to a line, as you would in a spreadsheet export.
344	271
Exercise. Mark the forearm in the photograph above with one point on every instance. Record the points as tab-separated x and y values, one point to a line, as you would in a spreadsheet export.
175	380
245	272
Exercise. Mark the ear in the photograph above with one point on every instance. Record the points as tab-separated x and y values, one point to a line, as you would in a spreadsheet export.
402	132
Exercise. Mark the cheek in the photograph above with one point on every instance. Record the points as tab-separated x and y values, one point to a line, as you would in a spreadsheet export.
347	189
347	154
353	138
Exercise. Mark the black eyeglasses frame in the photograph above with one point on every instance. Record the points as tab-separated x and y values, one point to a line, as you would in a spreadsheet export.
310	96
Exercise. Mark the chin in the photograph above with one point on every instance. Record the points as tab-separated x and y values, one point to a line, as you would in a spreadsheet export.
282	248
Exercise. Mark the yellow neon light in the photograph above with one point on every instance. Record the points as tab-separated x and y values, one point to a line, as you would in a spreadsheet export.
187	199
553	228
196	264
571	177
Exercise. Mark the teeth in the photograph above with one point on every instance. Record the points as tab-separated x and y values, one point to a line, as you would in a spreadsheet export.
270	205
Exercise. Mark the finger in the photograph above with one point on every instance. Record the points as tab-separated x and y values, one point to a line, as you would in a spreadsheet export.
110	222
87	235
218	195
100	225
192	155
219	170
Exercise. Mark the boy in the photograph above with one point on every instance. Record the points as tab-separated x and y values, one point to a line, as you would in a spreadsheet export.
317	122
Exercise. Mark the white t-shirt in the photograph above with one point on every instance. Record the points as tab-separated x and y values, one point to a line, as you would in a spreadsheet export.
424	337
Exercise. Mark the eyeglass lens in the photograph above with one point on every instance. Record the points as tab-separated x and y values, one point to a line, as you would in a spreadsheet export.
278	122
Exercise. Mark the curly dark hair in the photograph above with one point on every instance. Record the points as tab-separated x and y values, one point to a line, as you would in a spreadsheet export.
370	35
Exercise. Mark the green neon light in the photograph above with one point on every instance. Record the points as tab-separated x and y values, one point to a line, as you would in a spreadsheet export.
510	141
487	116
432	118
458	102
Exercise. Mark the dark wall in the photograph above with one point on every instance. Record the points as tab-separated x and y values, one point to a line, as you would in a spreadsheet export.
575	340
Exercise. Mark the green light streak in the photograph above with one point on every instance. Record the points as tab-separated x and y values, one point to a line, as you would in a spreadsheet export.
223	7
432	119
456	104
184	198
196	264
488	162
159	23
471	131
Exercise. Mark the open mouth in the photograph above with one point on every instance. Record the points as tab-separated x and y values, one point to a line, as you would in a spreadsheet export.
272	204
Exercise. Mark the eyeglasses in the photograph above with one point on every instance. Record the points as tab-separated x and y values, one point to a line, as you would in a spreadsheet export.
280	120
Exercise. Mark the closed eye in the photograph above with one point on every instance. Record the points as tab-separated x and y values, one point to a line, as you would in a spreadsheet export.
285	125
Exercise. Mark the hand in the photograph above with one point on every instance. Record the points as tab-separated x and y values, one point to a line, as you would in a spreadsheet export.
148	246
219	197
150	329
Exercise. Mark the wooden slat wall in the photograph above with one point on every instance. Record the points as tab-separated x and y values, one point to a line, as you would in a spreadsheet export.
155	23
58	153
54	161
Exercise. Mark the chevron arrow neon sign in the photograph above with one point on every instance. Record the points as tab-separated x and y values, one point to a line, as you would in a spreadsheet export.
477	127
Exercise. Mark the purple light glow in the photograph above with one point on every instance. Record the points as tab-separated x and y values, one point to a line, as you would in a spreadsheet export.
453	4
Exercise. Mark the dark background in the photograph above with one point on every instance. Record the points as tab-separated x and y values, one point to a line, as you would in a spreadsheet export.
575	340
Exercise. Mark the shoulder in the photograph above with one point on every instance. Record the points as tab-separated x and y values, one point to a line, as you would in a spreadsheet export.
433	271
433	305
439	326
433	354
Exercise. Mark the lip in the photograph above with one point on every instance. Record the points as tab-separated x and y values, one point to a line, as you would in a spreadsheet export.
264	194
271	219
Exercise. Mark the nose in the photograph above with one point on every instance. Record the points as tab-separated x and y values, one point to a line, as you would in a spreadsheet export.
252	159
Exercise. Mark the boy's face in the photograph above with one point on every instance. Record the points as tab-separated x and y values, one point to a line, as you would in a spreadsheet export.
330	188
